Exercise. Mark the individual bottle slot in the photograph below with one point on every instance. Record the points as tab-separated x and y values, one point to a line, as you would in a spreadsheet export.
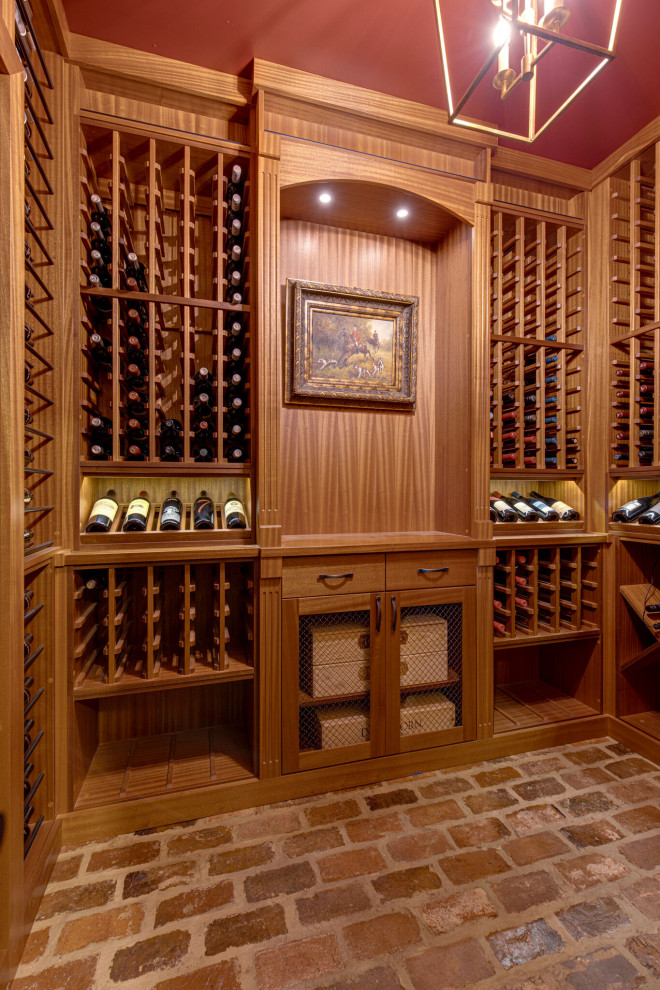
171	513
203	512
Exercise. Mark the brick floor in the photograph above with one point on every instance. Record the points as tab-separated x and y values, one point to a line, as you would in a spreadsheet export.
534	872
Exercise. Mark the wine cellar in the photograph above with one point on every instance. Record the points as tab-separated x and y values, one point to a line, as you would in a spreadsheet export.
232	597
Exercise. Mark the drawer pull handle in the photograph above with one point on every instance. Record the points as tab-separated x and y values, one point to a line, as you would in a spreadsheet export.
335	577
394	613
379	613
431	570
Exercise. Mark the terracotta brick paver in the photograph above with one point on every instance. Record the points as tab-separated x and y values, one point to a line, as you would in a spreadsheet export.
533	872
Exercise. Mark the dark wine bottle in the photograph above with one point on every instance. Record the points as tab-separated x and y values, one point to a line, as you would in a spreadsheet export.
103	513
100	216
234	452
28	598
235	517
101	450
630	511
203	512
565	511
520	507
202	404
136	270
203	380
651	517
202	452
103	304
137	513
95	580
99	350
546	512
172	512
171	451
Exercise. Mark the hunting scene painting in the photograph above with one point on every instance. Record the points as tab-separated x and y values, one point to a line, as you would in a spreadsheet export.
350	345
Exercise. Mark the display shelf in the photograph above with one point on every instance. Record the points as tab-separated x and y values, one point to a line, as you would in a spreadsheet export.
638	597
129	769
159	487
166	680
530	703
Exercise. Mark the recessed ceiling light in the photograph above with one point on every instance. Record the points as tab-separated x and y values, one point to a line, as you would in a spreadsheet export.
403	212
325	198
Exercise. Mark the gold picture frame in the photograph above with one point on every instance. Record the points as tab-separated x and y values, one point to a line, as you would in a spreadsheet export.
350	346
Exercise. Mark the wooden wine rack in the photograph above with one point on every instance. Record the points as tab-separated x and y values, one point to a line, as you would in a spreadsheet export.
147	627
536	344
545	592
165	203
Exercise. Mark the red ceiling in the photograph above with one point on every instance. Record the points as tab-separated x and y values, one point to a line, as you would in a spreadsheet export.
392	46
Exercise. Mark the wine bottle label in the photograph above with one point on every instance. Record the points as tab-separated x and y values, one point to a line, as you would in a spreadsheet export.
138	507
234	506
635	504
105	507
521	507
497	504
171	513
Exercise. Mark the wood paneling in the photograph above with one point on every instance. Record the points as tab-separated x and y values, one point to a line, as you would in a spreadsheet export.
356	470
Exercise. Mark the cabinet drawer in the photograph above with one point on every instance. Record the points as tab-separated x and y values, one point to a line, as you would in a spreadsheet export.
444	568
307	577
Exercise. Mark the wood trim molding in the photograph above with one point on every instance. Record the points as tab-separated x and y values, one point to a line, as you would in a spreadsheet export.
637	143
522	163
167	72
311	88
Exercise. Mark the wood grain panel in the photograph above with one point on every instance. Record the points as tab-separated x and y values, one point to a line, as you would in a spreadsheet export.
11	554
269	678
358	471
445	569
306	577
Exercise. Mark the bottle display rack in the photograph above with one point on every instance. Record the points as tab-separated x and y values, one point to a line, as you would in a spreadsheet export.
39	430
166	371
158	489
570	491
546	592
626	489
39	251
37	728
634	410
633	221
537	270
138	628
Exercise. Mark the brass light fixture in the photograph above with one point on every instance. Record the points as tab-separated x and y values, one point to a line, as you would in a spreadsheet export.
540	24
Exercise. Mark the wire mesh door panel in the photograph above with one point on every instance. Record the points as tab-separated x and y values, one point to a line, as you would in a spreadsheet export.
430	660
334	680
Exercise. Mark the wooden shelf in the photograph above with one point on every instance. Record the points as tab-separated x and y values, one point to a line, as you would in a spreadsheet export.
636	596
530	703
306	701
537	528
129	769
111	469
520	639
165	680
637	532
646	721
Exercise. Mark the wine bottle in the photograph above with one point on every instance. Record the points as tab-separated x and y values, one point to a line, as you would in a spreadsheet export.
100	216
134	376
520	507
99	350
28	597
100	244
234	452
203	512
629	511
171	451
138	450
134	428
103	513
137	513
566	512
235	184
546	512
28	333
95	580
170	429
172	512
203	380
234	328
202	404
235	517
28	456
103	304
202	452
651	517
137	271
101	426
101	450
27	496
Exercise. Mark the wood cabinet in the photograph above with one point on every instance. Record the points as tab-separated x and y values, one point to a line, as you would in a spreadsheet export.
368	675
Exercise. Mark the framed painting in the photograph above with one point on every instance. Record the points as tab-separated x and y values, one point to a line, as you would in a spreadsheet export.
350	346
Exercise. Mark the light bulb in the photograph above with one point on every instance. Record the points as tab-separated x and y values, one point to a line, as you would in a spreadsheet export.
325	198
403	212
501	33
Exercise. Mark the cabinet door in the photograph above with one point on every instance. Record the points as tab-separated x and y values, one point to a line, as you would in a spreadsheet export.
430	668
333	680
